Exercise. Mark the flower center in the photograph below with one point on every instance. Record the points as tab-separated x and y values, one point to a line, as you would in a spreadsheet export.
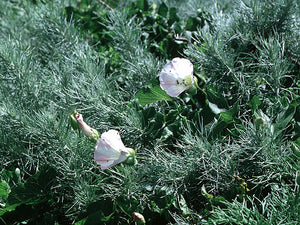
185	82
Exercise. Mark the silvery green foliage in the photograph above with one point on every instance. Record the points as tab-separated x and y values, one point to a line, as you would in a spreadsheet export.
248	54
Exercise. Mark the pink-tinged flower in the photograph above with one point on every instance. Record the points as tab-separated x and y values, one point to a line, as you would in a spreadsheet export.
91	133
110	150
176	76
138	218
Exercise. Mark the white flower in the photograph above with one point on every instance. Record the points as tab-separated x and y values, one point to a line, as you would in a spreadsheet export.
176	76
110	150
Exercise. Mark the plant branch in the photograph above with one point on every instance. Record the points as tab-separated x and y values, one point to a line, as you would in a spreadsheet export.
106	5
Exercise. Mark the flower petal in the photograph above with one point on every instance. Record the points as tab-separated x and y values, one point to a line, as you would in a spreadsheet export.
169	68
174	90
105	164
168	78
103	151
183	67
172	84
113	139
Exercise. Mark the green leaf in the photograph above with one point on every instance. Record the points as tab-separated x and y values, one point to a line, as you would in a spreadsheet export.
215	109
228	115
81	222
163	10
183	206
100	211
217	99
34	191
163	199
4	190
193	23
218	201
152	93
224	119
127	205
148	113
173	16
166	134
296	149
283	119
171	116
209	197
254	103
297	130
142	5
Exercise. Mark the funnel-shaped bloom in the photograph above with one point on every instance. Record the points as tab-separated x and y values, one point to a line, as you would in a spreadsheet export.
110	150
176	76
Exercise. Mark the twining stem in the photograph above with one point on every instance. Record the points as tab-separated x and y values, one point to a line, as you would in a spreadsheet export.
201	89
106	5
143	158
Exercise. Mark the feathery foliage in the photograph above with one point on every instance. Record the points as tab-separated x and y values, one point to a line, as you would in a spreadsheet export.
226	155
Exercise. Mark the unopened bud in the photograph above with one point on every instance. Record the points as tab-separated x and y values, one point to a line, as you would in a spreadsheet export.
298	177
91	133
18	174
138	218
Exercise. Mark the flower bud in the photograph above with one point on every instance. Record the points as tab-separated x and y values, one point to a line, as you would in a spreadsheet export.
138	218
91	133
18	174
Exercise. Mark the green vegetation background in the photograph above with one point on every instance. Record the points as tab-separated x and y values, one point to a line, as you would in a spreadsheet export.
227	155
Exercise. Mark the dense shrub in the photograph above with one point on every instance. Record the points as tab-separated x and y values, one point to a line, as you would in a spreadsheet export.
227	155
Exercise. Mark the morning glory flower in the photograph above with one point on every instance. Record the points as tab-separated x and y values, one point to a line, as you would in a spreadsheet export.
176	76
110	150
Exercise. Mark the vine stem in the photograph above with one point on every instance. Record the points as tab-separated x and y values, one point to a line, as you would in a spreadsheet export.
178	37
143	158
106	5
